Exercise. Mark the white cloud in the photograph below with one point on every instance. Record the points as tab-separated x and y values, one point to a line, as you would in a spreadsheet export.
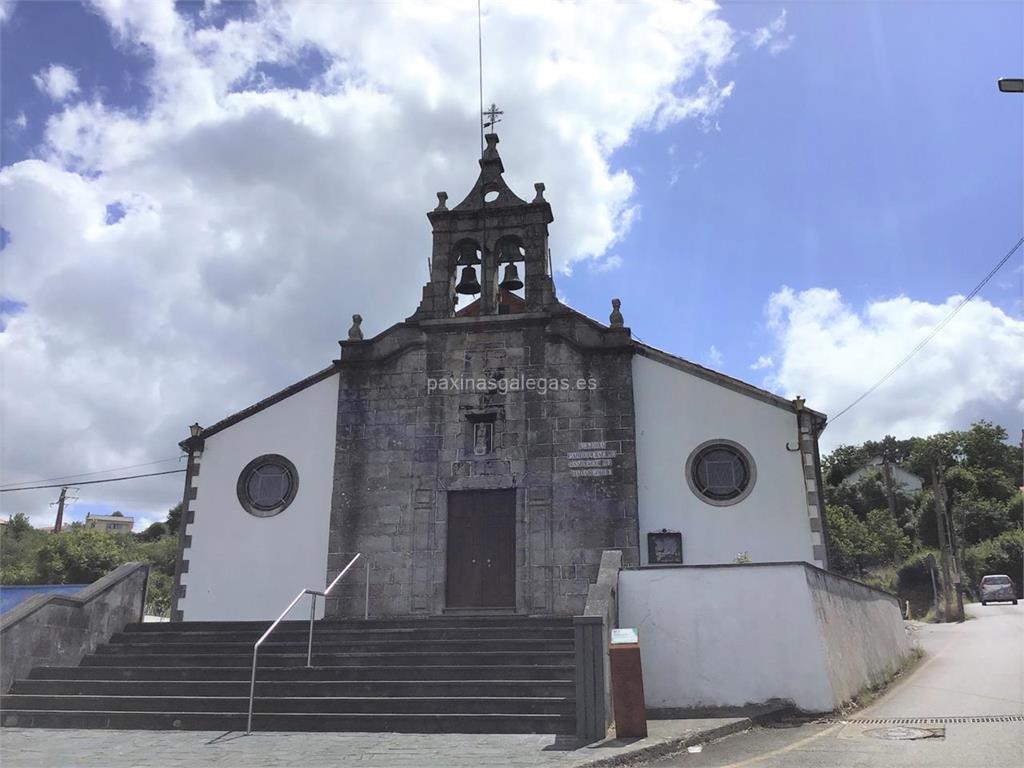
258	219
607	264
773	35
57	82
714	357
831	353
762	362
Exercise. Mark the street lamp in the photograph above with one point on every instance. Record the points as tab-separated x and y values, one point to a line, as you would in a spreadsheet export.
195	429
1011	84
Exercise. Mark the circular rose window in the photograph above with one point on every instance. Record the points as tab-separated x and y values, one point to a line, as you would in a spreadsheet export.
267	485
720	472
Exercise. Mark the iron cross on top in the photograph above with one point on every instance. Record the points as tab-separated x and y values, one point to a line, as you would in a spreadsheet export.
492	113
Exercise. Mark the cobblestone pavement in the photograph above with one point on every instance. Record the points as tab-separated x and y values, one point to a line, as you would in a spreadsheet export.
42	748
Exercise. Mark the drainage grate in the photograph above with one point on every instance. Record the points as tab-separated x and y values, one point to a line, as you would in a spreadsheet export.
937	720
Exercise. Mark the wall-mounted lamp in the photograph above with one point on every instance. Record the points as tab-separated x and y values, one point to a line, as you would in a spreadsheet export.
195	429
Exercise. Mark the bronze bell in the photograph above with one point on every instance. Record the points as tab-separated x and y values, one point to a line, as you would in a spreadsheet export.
510	251
468	284
511	282
467	255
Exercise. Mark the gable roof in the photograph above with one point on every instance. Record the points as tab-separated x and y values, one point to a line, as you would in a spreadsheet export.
653	353
262	404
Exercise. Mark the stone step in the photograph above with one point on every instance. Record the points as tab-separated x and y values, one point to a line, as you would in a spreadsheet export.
426	622
378	672
328	646
230	721
468	658
411	705
334	633
265	688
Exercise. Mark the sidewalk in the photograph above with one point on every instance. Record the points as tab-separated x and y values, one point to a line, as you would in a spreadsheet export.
41	748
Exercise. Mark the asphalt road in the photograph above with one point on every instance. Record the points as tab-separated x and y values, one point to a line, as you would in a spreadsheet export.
970	671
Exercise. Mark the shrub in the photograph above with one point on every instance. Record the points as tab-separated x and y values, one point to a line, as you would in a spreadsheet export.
914	582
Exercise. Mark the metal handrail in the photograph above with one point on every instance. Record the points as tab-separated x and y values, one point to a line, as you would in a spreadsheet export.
312	616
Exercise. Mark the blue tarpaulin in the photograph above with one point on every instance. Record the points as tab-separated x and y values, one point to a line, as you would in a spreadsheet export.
13	595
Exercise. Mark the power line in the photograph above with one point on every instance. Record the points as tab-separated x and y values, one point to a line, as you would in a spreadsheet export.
934	332
97	472
92	482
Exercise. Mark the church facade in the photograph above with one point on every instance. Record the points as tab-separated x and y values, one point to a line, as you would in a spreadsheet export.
484	452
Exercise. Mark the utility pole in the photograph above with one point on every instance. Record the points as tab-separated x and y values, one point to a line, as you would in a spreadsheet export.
954	551
60	510
940	517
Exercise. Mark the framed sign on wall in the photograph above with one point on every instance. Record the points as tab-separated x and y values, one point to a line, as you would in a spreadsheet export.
665	547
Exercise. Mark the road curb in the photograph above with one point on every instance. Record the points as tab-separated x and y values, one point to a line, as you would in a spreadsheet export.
669	745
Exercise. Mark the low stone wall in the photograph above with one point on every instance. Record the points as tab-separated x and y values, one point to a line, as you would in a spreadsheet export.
737	635
58	630
592	634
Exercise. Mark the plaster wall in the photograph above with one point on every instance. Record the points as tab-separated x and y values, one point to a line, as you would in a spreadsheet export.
862	631
725	636
676	411
730	635
241	567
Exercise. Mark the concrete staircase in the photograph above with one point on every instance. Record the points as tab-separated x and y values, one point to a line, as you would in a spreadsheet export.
488	674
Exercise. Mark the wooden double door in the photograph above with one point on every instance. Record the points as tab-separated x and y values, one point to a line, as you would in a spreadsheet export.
482	549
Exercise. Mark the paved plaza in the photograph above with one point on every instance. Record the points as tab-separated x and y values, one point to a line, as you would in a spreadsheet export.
41	748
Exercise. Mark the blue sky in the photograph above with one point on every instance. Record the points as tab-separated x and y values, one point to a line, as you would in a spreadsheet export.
875	155
791	195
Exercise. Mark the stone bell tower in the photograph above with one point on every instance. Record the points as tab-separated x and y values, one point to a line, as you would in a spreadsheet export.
491	230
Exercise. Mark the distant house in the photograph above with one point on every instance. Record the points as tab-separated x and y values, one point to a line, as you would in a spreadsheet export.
901	478
116	522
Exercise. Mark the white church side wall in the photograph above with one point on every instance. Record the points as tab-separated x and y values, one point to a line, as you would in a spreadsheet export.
725	636
676	412
242	567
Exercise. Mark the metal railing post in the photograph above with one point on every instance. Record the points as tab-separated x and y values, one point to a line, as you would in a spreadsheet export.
312	615
366	598
252	690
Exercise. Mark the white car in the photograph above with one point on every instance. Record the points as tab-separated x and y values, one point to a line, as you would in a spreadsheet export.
998	588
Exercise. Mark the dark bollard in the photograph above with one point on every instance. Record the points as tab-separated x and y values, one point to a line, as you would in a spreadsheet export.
627	685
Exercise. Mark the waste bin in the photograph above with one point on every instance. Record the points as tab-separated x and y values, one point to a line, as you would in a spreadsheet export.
627	684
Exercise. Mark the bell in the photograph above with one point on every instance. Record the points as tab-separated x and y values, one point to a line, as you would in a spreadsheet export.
467	255
468	284
511	282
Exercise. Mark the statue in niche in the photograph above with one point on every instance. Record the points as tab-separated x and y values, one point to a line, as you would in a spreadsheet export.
482	435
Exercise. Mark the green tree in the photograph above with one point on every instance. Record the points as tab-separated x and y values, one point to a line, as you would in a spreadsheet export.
842	462
81	555
850	542
891	544
174	518
1001	555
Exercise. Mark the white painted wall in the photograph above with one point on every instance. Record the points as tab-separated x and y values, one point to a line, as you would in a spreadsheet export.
244	567
725	636
677	411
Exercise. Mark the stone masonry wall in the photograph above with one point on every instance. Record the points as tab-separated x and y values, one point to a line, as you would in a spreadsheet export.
404	444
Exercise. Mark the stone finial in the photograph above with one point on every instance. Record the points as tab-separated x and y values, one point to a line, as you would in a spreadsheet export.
540	192
615	319
442	201
355	333
798	403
